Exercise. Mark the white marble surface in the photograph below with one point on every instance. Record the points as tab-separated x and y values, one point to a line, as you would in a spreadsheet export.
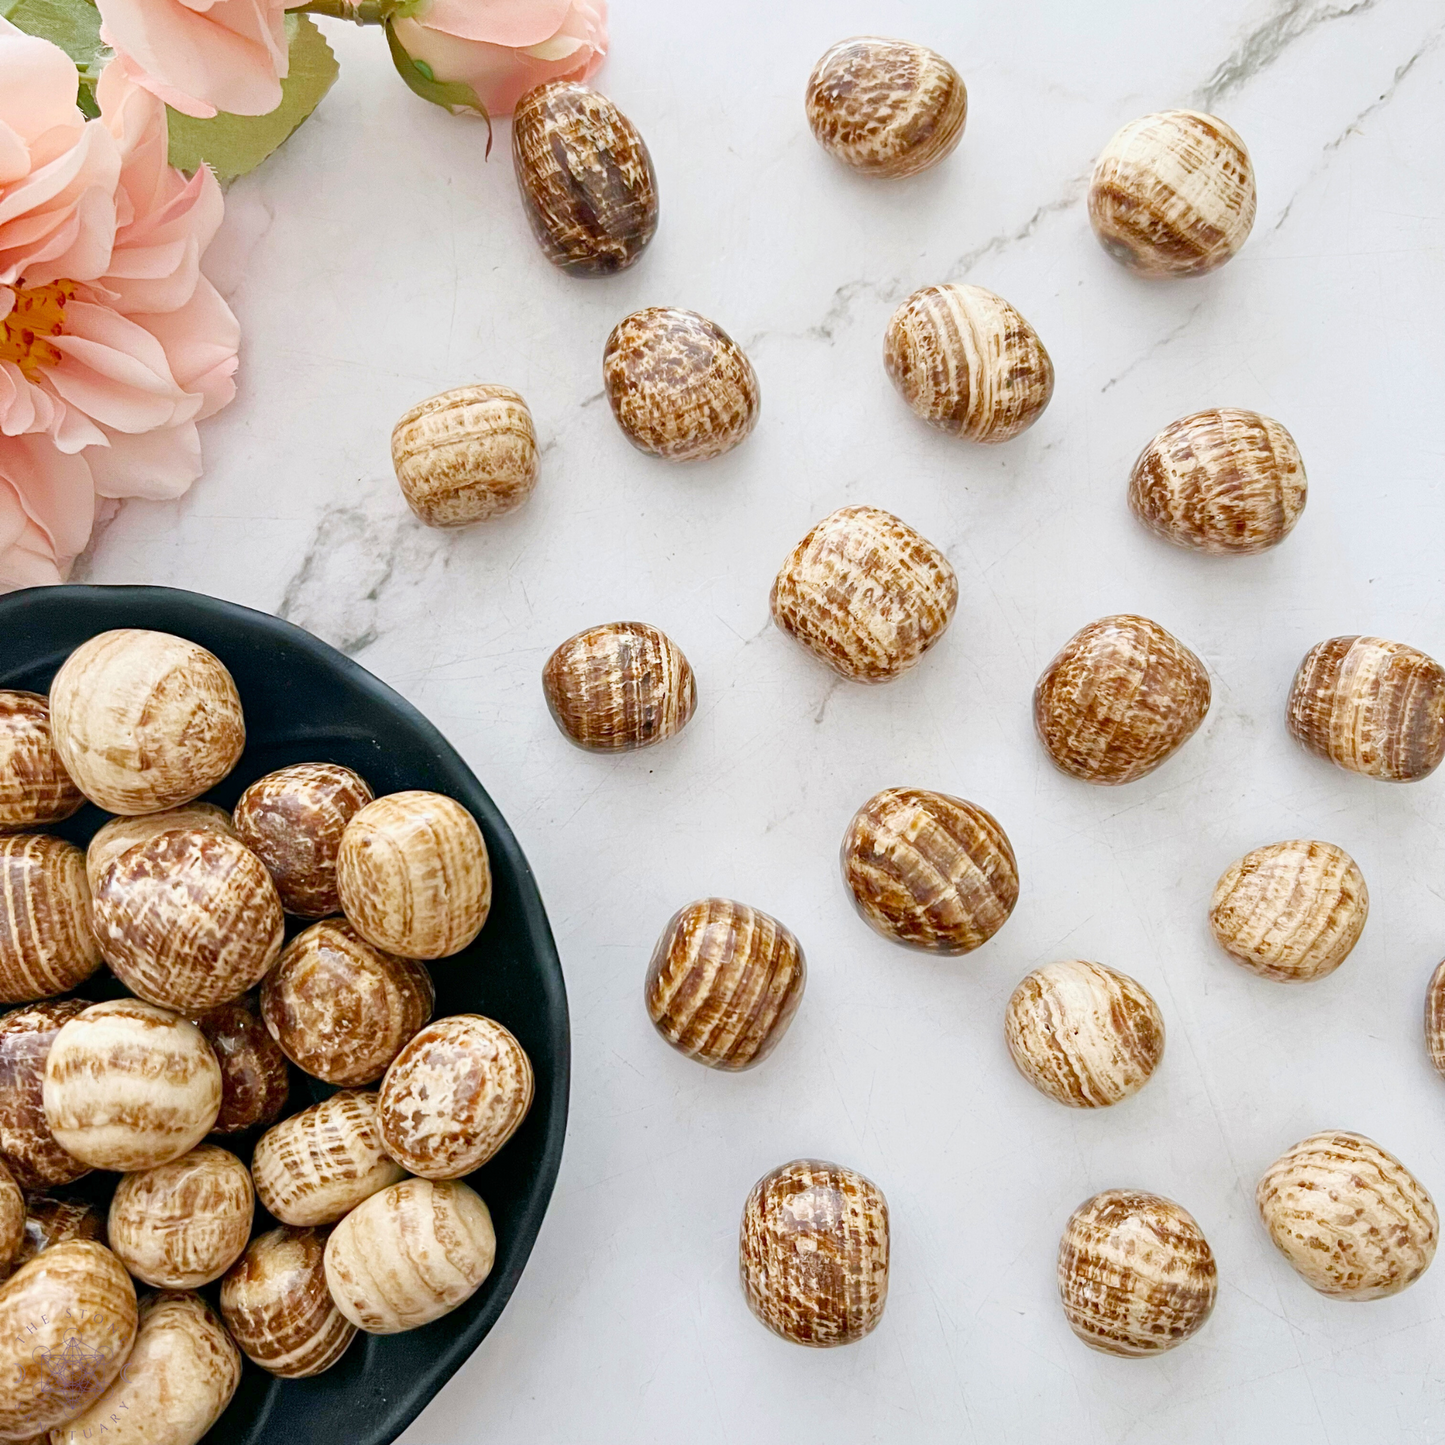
379	259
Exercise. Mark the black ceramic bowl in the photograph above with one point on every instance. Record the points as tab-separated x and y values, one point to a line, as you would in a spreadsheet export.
305	702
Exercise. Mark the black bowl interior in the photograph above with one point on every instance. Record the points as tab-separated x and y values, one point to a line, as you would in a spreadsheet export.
305	702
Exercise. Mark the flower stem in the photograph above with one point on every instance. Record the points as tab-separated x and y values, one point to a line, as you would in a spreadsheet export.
359	12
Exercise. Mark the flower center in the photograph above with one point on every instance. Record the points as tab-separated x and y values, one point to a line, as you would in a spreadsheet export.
37	315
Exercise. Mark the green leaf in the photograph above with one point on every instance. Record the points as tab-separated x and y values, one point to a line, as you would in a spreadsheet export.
232	145
73	25
451	95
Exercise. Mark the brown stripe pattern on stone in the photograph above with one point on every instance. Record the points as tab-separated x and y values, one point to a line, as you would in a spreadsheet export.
144	720
177	1382
456	1093
929	870
1370	706
1173	194
46	943
183	1224
410	1255
12	1220
1224	481
1290	911
1121	697
1136	1275
292	820
129	1086
813	1253
586	178
255	1082
413	875
27	1147
724	983
189	919
76	1293
968	363
466	455
680	387
277	1307
1348	1216
35	789
621	686
1084	1034
315	1166
886	107
119	834
865	593
341	1009
50	1221
1435	1019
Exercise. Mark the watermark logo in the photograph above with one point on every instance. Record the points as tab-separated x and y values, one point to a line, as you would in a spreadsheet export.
77	1352
78	1369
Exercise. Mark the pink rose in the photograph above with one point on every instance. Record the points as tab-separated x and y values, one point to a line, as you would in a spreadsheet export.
113	344
201	56
502	48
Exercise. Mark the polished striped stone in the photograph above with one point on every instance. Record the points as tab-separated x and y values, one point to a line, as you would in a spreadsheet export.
46	943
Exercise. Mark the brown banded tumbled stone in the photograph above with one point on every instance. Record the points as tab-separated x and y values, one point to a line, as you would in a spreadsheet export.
1224	481
1122	697
340	1009
586	178
145	720
1085	1035
865	593
1290	911
968	363
929	870
1349	1217
680	387
188	919
453	1096
1172	194
466	455
27	1146
35	789
813	1253
1370	706
255	1082
1136	1274
276	1305
618	687
119	834
886	107
47	945
50	1221
724	983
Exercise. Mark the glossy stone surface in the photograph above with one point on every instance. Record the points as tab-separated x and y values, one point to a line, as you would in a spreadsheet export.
255	1084
968	363
586	178
35	789
115	837
1121	697
466	455
144	720
1224	481
413	875
292	820
886	107
28	1148
454	1096
865	593
929	870
618	687
46	943
1290	911
1136	1274
680	387
340	1009
1370	706
813	1253
1172	194
724	983
1084	1034
1349	1217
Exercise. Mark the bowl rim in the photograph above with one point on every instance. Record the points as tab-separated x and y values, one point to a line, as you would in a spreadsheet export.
459	1348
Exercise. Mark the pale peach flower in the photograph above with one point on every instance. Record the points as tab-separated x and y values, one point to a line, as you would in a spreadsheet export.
201	56
113	344
502	48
